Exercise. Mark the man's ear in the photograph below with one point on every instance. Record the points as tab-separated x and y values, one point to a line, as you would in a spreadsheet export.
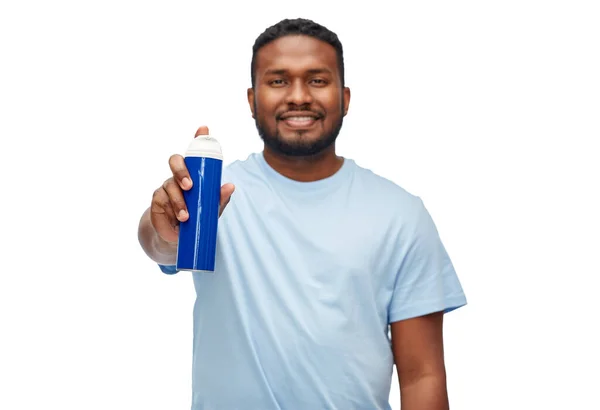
346	96
251	101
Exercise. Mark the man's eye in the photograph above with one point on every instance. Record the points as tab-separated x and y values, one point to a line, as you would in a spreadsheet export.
318	81
277	82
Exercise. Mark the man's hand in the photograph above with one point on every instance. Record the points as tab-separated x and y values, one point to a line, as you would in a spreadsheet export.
168	206
159	226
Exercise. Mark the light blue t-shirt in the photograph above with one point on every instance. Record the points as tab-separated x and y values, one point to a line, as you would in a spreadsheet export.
309	275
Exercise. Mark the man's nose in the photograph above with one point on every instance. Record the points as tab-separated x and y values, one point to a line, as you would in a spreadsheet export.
299	93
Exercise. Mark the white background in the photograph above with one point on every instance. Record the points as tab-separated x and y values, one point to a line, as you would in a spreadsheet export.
490	111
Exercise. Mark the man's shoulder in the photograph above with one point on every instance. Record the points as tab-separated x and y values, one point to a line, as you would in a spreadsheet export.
383	187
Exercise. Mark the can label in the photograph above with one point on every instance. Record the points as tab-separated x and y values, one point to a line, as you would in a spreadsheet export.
197	245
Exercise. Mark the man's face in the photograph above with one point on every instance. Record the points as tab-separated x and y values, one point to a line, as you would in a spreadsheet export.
298	101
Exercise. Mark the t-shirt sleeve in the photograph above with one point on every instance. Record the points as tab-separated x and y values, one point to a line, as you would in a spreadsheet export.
168	269
426	281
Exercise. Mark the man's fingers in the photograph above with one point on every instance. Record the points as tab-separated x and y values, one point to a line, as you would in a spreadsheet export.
178	168
226	192
180	172
203	130
176	200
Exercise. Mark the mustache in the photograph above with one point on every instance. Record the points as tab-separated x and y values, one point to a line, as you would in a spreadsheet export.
318	114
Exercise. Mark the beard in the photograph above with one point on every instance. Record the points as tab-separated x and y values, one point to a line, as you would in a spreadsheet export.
298	147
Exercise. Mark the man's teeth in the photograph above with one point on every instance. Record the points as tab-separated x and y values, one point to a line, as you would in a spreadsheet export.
300	118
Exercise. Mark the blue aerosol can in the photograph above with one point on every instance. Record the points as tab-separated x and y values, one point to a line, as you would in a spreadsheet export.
197	246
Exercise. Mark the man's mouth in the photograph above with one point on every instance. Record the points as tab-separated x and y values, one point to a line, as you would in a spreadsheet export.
300	119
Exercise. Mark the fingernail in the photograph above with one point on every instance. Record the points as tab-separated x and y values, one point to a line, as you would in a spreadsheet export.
186	182
181	214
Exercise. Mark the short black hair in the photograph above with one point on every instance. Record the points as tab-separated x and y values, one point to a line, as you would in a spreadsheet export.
298	26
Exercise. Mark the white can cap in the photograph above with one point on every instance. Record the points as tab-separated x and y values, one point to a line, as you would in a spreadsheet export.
204	146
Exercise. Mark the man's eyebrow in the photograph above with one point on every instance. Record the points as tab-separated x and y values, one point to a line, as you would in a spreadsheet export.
323	70
275	72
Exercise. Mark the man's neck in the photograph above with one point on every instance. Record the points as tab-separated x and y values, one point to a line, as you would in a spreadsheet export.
305	169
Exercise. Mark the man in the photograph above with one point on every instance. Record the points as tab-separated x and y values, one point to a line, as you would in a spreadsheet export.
319	261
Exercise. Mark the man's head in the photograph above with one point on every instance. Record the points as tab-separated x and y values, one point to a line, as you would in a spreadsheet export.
298	98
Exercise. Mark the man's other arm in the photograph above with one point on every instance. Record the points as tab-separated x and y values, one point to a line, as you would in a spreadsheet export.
418	349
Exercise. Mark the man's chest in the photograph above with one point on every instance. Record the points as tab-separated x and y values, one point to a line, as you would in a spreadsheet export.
327	251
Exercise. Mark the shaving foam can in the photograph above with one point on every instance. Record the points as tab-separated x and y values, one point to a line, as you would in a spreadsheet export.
197	246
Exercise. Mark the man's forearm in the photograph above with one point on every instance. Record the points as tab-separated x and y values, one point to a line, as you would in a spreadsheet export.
426	393
159	250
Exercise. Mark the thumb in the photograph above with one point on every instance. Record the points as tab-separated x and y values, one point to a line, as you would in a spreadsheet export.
226	192
203	130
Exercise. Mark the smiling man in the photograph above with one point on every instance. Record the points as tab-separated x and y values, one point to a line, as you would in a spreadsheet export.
298	98
327	274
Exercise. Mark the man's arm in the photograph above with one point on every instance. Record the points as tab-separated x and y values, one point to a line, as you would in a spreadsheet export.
418	349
